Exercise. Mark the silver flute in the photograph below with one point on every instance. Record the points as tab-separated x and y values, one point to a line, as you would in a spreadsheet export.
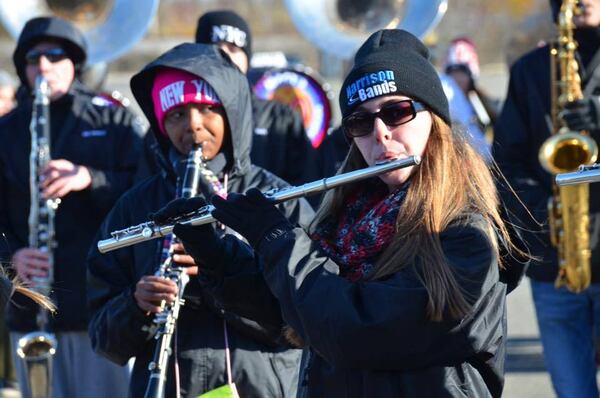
150	230
585	175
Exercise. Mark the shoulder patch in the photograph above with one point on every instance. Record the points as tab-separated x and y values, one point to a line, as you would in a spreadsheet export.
102	101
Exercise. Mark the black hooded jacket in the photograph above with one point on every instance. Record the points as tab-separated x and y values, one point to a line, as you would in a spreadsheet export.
372	338
105	139
262	367
280	144
522	128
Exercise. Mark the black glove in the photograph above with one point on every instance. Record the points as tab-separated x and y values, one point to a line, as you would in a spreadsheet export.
200	242
252	215
214	256
582	114
177	207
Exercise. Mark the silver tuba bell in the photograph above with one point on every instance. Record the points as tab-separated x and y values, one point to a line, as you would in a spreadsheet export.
110	27
339	27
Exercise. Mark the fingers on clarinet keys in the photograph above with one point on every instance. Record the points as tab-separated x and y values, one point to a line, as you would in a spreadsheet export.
151	290
582	114
31	262
181	257
176	208
252	215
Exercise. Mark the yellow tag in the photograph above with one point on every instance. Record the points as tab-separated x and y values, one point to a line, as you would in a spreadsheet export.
226	391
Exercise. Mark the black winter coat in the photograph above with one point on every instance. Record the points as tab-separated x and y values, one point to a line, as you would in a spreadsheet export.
86	131
279	142
522	128
261	365
373	338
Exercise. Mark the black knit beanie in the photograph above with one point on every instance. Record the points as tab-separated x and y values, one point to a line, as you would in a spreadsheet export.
393	62
224	25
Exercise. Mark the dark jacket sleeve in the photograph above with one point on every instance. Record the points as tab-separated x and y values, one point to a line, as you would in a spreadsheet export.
109	184
8	241
513	145
243	291
284	148
118	328
376	324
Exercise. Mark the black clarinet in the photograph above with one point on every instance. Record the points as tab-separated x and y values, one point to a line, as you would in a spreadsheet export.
166	320
37	348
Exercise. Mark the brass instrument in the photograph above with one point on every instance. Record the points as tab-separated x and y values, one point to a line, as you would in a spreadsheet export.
150	230
110	27
565	151
339	27
36	349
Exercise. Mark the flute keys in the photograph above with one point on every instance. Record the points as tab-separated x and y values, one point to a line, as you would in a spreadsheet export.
147	232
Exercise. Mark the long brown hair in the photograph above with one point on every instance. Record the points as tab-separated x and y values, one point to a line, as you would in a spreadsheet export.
8	287
452	181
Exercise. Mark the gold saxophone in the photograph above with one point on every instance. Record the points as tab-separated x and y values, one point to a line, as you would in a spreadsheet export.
565	151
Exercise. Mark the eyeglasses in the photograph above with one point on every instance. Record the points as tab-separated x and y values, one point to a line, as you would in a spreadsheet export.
392	114
52	54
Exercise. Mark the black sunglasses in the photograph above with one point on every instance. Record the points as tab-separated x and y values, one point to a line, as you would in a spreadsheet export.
392	114
52	54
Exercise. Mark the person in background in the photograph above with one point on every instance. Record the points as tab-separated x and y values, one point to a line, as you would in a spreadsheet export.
569	322
279	142
212	109
469	104
94	153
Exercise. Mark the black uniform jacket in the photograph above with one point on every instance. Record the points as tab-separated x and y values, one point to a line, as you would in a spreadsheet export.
86	131
522	128
279	142
373	338
262	367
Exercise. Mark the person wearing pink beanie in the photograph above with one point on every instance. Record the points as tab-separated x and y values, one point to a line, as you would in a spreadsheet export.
193	94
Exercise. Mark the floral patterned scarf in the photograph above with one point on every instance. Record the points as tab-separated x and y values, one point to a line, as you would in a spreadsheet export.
364	229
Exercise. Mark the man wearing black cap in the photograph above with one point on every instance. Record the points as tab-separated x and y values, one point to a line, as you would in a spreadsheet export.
279	142
569	322
94	149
